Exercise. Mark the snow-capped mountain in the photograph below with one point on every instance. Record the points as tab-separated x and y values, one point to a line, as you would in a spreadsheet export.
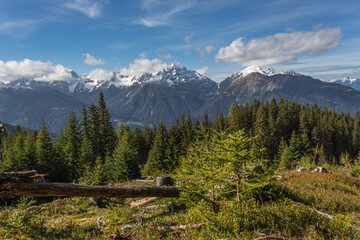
163	96
265	83
349	81
146	98
264	70
101	79
176	73
149	98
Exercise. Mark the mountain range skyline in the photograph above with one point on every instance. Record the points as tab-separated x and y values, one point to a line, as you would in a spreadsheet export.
151	98
126	77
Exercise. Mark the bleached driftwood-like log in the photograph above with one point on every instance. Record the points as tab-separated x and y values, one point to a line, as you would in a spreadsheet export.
142	202
269	237
18	184
180	227
325	214
170	228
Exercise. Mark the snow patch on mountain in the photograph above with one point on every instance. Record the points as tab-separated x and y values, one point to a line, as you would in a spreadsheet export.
99	78
348	81
171	74
268	71
264	70
176	73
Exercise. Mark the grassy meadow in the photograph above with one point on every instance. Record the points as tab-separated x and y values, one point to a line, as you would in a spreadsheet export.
335	193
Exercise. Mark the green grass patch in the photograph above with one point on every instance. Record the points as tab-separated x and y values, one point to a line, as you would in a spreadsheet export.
334	193
77	218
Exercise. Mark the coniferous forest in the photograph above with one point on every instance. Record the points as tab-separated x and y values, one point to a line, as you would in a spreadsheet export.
89	150
235	175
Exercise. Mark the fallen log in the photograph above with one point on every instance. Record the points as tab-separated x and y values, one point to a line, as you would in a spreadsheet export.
23	174
15	185
45	189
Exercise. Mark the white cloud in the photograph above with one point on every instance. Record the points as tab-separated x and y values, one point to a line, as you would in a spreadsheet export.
216	76
204	70
37	70
100	74
209	49
203	51
90	8
91	60
19	27
328	68
187	39
150	4
278	48
140	66
219	76
167	56
160	12
5	26
152	22
143	55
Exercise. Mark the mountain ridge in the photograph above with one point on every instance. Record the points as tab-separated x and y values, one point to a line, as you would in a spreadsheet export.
349	81
173	73
149	98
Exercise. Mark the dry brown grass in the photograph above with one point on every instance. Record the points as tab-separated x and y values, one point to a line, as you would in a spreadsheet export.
334	192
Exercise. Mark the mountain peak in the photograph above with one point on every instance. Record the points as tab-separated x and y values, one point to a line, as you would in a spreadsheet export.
350	79
292	73
265	70
175	73
174	66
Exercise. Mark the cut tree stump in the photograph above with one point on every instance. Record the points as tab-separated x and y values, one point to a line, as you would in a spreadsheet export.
20	184
163	181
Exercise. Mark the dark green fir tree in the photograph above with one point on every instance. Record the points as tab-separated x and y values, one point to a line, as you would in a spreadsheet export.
124	164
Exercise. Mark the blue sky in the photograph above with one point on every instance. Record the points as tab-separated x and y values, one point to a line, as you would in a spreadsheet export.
216	37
